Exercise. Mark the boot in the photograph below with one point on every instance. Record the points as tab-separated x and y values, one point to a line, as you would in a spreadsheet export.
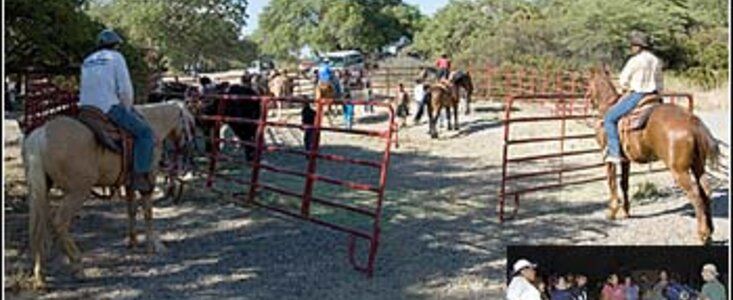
141	182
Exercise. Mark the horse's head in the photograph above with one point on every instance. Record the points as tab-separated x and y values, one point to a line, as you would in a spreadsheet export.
600	91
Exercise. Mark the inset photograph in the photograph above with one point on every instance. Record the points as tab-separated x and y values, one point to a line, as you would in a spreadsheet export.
617	273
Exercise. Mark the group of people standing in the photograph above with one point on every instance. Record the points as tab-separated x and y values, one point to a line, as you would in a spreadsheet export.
525	284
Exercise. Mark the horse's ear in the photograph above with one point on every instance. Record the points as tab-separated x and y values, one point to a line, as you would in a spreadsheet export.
606	69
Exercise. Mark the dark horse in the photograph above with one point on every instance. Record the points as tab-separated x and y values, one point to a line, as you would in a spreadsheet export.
244	108
462	80
440	97
169	91
672	135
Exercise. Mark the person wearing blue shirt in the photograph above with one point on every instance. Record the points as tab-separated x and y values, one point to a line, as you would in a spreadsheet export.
106	85
326	75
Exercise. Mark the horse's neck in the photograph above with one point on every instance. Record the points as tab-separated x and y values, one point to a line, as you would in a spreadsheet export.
161	118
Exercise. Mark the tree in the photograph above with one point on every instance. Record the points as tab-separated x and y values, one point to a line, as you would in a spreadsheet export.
54	36
286	26
689	35
186	32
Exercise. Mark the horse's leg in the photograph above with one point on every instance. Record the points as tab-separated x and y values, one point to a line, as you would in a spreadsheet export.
447	117
151	239
455	116
71	203
468	101
131	217
625	169
432	119
705	191
702	209
613	190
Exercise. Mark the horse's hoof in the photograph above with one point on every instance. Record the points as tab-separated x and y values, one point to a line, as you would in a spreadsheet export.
611	215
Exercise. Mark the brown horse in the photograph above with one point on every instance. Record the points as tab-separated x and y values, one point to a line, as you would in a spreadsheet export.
64	153
461	79
442	96
327	91
672	135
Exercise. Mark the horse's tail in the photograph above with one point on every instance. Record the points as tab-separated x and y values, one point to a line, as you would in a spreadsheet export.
37	191
707	146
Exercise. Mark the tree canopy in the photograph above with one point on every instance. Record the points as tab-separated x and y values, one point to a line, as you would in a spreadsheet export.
286	26
689	35
54	36
205	34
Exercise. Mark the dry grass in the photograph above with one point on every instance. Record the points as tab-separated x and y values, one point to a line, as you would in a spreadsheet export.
705	99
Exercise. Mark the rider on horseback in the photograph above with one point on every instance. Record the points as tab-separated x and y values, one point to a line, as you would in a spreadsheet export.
443	65
106	84
641	76
326	76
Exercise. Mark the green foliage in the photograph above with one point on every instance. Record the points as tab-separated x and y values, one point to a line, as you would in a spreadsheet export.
46	35
54	36
326	25
204	33
689	35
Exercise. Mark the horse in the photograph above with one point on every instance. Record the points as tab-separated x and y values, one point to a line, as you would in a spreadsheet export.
64	153
462	80
440	97
280	85
169	91
672	134
245	108
326	90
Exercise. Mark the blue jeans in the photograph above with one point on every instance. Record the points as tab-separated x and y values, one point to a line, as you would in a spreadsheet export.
144	143
613	115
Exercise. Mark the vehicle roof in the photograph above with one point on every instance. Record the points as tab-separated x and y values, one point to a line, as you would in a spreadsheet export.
342	53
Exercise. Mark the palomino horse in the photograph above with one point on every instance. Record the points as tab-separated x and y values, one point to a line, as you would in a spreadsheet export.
441	97
64	153
462	80
280	85
671	134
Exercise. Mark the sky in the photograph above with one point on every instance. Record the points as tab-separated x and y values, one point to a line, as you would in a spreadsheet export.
255	7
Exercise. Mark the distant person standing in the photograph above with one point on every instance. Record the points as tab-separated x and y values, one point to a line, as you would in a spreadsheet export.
580	291
712	289
419	95
658	288
521	286
368	108
443	65
613	289
308	118
632	290
562	290
402	104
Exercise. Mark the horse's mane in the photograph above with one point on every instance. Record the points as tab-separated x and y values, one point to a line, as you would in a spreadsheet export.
606	93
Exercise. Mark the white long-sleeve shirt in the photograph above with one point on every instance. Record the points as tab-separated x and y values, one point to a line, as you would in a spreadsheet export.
418	93
105	81
642	73
521	289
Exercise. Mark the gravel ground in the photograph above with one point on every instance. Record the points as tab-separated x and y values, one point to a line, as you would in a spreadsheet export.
441	238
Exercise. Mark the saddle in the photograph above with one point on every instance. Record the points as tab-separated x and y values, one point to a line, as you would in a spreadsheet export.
110	136
637	118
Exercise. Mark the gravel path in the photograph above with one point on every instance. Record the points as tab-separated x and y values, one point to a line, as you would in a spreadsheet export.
441	238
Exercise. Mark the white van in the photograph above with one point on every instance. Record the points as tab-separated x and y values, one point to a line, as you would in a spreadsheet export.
351	60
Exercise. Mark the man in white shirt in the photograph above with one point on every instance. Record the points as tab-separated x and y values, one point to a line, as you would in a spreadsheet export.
106	84
521	287
418	94
641	76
